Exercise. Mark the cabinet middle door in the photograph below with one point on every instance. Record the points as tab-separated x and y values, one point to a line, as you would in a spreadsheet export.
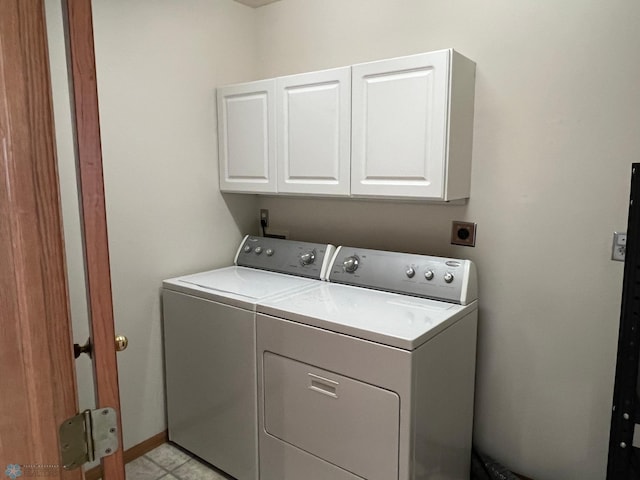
246	137
400	126
313	114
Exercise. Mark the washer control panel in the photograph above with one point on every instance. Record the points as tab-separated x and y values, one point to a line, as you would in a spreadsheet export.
439	278
285	256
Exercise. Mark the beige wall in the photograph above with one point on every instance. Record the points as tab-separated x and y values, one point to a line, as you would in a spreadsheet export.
557	116
158	63
557	113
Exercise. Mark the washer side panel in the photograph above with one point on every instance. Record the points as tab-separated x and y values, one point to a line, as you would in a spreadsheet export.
211	381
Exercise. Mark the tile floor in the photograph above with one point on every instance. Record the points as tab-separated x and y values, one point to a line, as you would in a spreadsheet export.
167	462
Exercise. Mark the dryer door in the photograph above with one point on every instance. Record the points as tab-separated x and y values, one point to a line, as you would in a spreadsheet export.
343	421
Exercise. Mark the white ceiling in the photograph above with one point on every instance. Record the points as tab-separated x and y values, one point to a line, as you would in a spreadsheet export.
256	3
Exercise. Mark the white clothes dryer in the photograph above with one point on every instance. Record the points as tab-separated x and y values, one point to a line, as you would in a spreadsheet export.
370	376
210	355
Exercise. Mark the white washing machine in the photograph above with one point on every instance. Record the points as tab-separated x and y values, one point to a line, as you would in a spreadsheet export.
370	376
210	354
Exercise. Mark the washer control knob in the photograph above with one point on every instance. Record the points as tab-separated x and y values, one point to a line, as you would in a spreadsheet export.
269	252
448	277
429	275
246	249
350	264
308	258
258	250
410	272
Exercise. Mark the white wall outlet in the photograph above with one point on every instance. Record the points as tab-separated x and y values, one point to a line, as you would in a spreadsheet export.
264	217
619	247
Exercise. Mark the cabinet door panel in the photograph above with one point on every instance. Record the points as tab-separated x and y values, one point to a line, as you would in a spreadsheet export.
246	136
314	135
400	111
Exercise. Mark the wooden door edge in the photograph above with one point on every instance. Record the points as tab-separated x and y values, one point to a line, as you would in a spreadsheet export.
78	22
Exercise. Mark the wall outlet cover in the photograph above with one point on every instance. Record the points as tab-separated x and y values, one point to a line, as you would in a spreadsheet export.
463	233
264	217
619	247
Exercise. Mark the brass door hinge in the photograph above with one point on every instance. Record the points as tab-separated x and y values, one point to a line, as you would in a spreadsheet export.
89	435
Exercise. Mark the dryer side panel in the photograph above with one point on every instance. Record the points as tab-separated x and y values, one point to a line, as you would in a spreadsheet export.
445	370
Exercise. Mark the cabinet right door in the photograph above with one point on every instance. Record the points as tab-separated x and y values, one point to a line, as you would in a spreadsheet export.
400	126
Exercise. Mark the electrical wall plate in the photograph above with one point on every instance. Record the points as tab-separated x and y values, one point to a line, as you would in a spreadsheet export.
264	217
619	247
463	233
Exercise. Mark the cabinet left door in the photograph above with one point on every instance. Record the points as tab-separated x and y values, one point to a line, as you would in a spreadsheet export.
246	137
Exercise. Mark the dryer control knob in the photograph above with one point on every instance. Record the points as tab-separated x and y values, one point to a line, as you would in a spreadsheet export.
428	275
410	272
448	277
308	258
350	264
269	252
246	249
258	250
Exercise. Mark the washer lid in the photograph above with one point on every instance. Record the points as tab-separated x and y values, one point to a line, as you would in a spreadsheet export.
388	318
239	286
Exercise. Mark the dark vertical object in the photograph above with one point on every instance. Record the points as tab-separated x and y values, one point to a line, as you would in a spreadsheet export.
623	456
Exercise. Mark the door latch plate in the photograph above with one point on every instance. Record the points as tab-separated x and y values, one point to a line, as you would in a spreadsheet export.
89	435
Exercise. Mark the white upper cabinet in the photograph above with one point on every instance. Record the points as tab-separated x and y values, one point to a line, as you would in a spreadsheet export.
400	128
412	126
246	137
313	115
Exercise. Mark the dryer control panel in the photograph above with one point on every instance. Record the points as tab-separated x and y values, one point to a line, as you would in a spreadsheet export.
439	278
304	259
